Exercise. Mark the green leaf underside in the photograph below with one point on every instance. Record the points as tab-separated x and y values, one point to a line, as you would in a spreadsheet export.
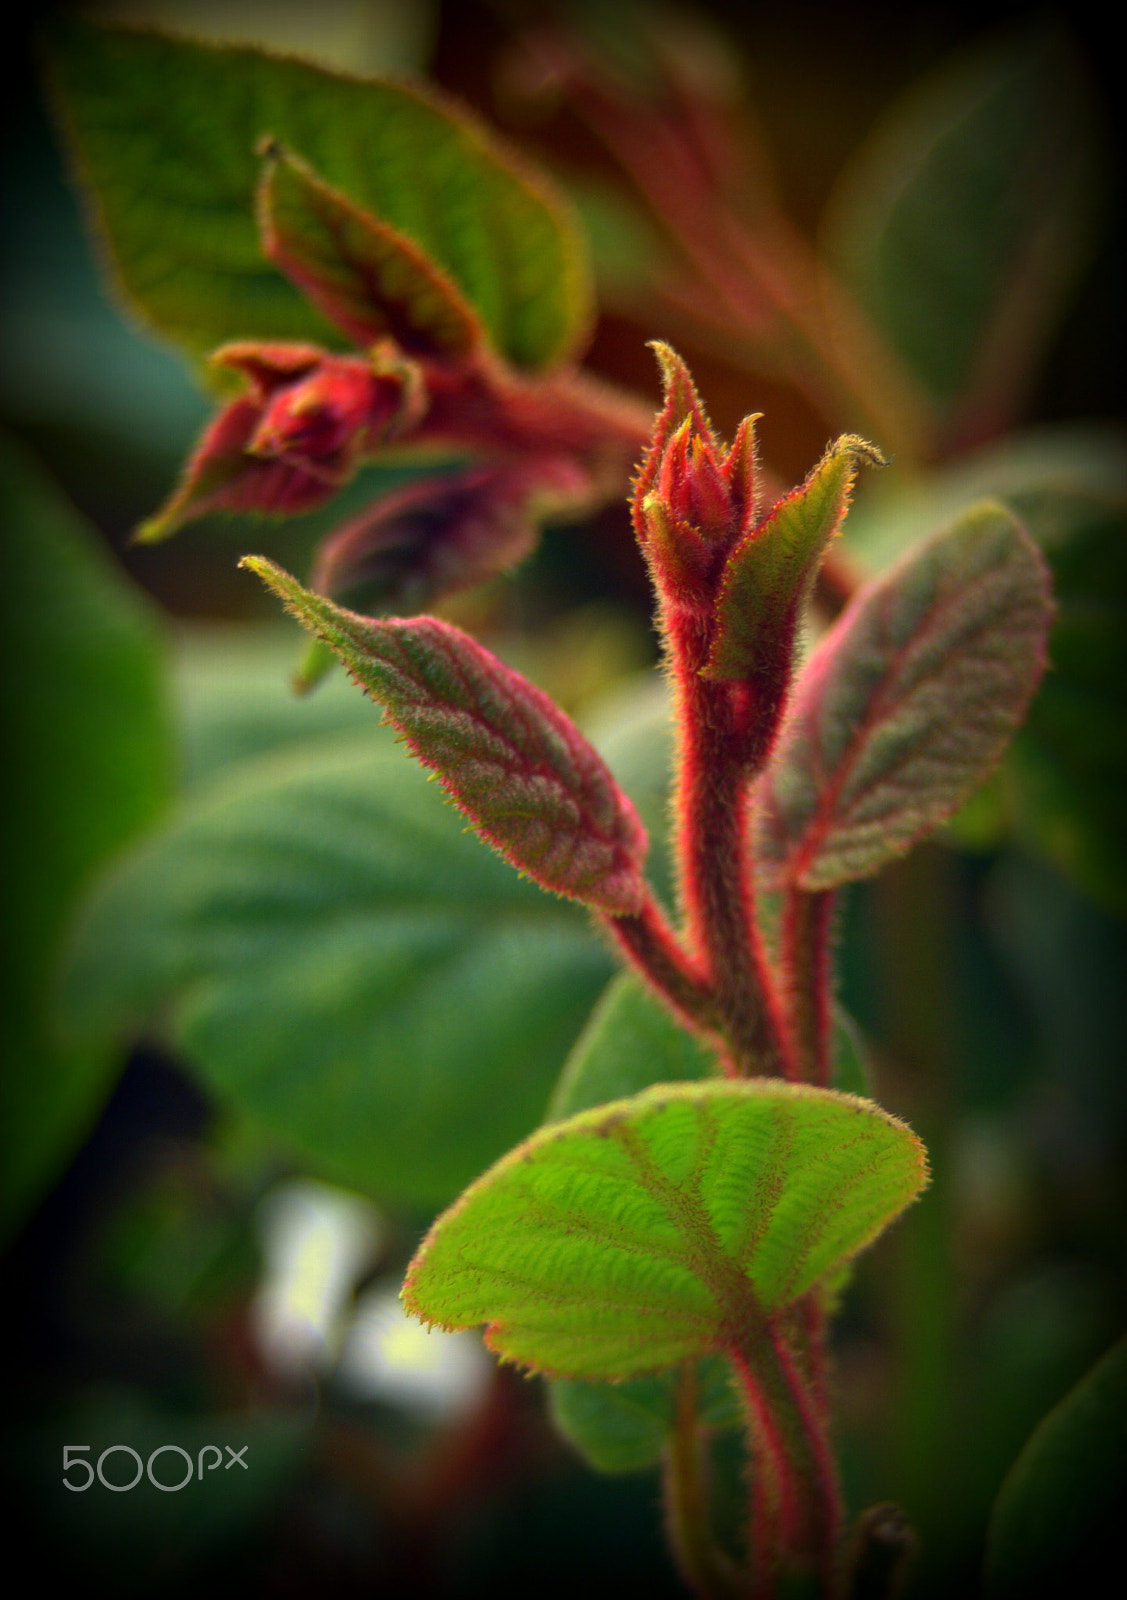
329	952
1057	1523
513	763
907	703
650	1230
625	1427
630	1042
363	275
87	728
769	574
166	133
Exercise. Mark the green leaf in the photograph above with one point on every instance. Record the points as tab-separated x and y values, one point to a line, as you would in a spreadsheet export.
851	1072
363	275
1062	793
344	966
650	1230
165	134
768	576
1057	1523
961	224
907	702
513	763
630	1042
90	762
230	683
624	1427
631	726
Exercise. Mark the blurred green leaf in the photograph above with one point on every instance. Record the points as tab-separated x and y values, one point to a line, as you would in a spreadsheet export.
1063	790
90	762
165	134
851	1071
1057	1522
639	1234
232	686
631	726
963	221
623	1427
345	966
631	1041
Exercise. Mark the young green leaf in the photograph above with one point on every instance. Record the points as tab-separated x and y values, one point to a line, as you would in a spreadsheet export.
364	275
768	576
166	131
907	702
357	978
651	1230
512	762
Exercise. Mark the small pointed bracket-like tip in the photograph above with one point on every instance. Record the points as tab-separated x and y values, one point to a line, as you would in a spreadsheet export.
681	398
861	450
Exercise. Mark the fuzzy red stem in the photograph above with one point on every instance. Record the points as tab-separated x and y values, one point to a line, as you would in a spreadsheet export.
796	1502
717	885
652	946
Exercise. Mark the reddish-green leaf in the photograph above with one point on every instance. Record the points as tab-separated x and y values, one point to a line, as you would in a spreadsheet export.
907	702
647	1231
364	275
512	762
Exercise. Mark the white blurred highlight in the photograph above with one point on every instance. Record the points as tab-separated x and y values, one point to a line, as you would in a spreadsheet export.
389	1356
317	1243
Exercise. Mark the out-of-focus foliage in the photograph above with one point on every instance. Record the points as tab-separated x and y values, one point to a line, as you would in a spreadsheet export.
986	976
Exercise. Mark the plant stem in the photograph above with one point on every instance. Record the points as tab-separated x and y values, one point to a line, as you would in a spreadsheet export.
795	1501
806	937
717	884
704	1567
649	941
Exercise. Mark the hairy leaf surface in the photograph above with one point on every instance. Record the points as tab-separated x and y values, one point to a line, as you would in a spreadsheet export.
907	703
513	763
363	275
166	133
647	1231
